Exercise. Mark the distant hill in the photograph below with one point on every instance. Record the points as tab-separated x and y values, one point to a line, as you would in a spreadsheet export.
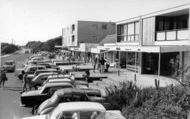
7	48
49	45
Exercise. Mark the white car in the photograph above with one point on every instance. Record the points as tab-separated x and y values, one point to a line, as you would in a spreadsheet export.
39	79
67	80
80	110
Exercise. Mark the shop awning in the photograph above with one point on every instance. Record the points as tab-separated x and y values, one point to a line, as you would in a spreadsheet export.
149	49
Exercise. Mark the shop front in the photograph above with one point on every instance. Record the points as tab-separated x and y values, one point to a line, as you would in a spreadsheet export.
168	61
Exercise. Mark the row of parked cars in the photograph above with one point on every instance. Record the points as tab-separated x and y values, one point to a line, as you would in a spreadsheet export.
57	95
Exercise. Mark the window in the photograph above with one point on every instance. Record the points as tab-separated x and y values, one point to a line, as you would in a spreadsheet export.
73	38
73	27
104	26
45	91
128	32
171	22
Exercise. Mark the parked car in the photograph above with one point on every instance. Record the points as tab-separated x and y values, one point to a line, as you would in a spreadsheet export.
46	71
39	79
68	95
80	110
57	76
9	65
68	80
30	69
36	97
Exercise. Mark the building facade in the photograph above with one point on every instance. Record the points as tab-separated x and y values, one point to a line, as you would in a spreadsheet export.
81	36
156	43
86	32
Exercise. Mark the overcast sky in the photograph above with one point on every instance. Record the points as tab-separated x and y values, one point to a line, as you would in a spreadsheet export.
39	20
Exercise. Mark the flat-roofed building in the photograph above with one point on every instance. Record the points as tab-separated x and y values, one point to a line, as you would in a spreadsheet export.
155	43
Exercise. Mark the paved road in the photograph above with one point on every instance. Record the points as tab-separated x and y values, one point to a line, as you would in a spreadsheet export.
10	95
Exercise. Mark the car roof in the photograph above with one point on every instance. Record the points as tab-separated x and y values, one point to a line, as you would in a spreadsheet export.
46	73
62	92
57	84
49	69
60	79
83	106
35	65
58	76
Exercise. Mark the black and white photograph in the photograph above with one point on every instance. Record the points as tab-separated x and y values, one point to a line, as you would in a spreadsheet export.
95	59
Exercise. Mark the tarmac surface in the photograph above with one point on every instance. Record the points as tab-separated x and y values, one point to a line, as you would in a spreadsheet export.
10	95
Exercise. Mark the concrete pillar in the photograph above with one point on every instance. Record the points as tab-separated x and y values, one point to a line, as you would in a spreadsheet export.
181	65
140	63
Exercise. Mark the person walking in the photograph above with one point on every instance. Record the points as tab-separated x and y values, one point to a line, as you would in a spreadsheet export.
102	65
3	78
86	76
95	61
25	81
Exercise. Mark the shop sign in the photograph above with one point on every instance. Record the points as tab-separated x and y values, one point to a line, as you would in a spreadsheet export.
117	48
107	48
76	49
127	49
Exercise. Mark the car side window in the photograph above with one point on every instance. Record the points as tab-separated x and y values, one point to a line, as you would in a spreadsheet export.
53	89
32	69
44	78
65	115
46	91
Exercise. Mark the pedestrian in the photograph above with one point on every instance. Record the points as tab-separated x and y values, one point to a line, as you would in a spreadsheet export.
107	67
102	64
3	78
95	61
25	81
86	76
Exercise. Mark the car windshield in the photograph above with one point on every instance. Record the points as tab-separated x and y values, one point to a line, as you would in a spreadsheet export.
77	115
9	63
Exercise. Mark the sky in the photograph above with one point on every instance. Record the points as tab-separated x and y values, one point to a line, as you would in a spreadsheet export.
22	21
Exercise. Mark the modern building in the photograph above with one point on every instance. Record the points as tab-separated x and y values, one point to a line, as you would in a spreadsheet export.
81	36
157	43
87	32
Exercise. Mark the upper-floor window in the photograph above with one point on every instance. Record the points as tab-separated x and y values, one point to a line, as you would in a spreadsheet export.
171	28
73	38
73	27
104	26
128	32
171	22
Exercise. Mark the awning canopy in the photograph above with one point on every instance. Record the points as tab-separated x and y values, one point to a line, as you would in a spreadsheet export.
60	46
150	49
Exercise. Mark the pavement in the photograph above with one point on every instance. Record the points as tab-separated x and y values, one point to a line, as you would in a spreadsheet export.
114	78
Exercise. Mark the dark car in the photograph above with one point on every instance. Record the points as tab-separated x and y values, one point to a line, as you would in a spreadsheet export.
69	95
36	97
9	65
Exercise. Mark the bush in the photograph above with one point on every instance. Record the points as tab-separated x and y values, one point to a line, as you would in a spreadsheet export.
8	48
152	103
